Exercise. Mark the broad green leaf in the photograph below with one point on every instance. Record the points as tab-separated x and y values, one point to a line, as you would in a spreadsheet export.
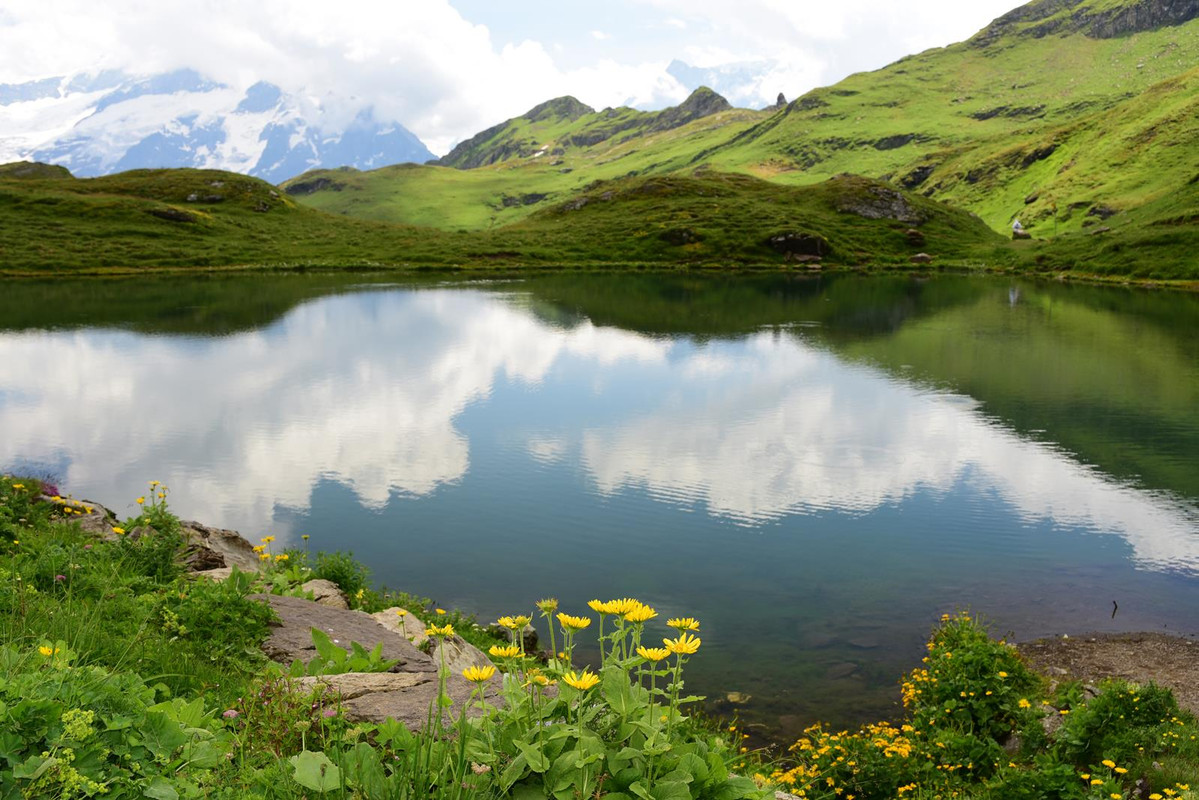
538	761
694	766
514	772
32	768
618	693
737	789
363	769
670	790
638	789
160	789
160	735
315	771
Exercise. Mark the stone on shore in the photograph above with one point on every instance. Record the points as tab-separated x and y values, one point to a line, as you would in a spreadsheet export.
326	593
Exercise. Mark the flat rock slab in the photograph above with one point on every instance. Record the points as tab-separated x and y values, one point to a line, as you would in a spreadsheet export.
406	696
292	639
212	548
1169	661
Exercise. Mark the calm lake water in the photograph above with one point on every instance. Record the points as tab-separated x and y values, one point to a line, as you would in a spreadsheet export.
816	468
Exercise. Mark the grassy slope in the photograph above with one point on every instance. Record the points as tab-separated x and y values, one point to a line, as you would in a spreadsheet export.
145	219
1006	125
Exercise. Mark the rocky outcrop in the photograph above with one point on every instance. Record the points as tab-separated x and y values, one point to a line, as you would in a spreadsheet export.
703	102
1107	21
558	109
407	692
208	548
325	593
872	200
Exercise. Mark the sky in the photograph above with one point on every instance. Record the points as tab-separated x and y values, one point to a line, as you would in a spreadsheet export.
449	68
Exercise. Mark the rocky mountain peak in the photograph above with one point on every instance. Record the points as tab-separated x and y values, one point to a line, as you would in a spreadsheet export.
703	102
559	108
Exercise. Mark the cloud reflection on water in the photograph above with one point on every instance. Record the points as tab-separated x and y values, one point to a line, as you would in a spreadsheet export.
366	390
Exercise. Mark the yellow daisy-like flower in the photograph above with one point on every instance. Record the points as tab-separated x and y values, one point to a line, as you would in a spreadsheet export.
154	483
1120	770
683	624
1107	762
573	623
267	539
401	613
508	651
641	614
478	674
599	606
1024	703
47	651
623	606
284	557
445	630
686	644
582	681
141	501
18	486
1096	782
257	548
1002	674
441	612
264	556
305	537
118	530
549	605
653	653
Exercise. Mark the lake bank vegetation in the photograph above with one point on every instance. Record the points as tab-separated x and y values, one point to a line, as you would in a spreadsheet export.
127	676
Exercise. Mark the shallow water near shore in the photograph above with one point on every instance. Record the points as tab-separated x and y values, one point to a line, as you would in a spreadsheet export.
816	468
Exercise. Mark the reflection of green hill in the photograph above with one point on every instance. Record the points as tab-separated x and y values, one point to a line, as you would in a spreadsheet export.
208	305
1108	375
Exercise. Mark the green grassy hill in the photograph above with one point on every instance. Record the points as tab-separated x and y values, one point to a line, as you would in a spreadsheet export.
190	218
1071	115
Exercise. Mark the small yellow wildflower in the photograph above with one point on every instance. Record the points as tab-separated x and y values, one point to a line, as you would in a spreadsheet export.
598	606
1120	770
441	612
1107	762
573	623
284	557
653	653
685	644
1024	703
622	606
304	537
445	630
1155	796
141	501
154	483
581	681
1096	782
401	613
18	486
478	674
47	651
118	530
683	624
549	605
264	556
508	651
267	539
1002	674
258	548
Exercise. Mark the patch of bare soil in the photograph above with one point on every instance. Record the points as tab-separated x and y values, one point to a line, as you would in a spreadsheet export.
1169	661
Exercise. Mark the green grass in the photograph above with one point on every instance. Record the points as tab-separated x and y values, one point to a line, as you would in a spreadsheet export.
1061	131
144	219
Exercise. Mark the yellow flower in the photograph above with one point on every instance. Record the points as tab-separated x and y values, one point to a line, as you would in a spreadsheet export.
548	605
640	614
1107	762
653	653
573	623
401	613
18	486
509	651
304	537
445	630
622	606
264	556
478	674
440	612
118	530
1002	674
284	557
47	651
16	541
1155	796
1096	782
155	483
267	539
581	681
1115	796
258	548
1024	703
1121	770
683	624
685	644
141	501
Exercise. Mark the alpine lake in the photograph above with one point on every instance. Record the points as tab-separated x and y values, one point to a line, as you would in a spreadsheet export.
816	468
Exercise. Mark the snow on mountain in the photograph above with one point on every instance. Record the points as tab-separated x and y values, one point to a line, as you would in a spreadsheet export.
110	122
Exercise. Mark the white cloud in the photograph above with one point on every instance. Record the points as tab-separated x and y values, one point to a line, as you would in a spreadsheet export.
600	36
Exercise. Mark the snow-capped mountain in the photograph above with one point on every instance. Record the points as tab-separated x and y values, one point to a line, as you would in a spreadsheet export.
109	122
